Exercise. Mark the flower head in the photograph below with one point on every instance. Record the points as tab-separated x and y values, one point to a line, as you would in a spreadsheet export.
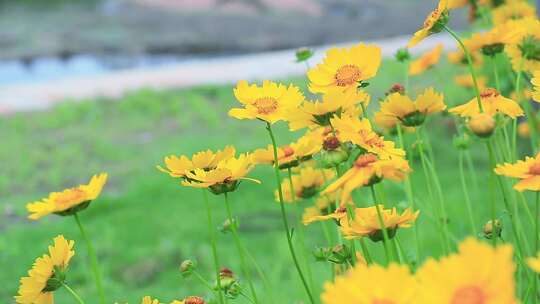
47	274
513	10
306	184
335	102
365	222
368	169
290	155
359	132
225	177
179	166
372	284
468	276
494	41
492	103
432	24
527	171
398	108
426	61
345	68
69	201
525	53
270	102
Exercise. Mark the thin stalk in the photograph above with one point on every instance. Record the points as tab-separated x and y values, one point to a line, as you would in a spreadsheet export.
284	215
469	64
240	248
212	234
386	239
471	168
536	240
531	119
203	280
492	190
72	292
365	250
495	72
466	194
93	260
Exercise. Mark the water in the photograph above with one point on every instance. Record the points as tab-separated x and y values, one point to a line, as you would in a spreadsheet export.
53	68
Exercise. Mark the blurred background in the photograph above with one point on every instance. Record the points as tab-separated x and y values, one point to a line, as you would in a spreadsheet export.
113	86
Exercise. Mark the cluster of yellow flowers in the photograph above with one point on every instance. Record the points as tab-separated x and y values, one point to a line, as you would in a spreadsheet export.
345	152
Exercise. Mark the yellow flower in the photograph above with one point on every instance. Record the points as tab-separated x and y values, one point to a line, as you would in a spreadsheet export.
180	166
525	54
317	214
290	155
149	300
47	274
494	41
536	83
335	102
270	102
365	222
534	262
366	170
426	61
345	68
359	132
69	201
492	103
372	284
466	81
527	171
224	178
305	184
398	108
432	23
513	10
479	273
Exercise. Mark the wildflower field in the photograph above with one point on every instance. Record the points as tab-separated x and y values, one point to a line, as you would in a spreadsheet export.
370	180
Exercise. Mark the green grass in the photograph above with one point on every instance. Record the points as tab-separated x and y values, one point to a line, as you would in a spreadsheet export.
145	224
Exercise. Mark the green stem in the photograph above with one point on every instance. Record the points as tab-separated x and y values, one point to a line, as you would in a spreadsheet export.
203	280
495	72
492	191
386	239
469	64
93	260
531	119
240	248
284	215
466	194
536	241
72	292
212	233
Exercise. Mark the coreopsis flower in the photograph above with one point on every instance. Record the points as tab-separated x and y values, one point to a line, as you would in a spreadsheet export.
527	171
468	276
359	132
225	177
372	284
47	274
399	108
367	170
345	68
432	24
513	10
149	300
69	201
492	103
179	166
270	102
306	184
290	155
534	263
525	53
317	214
426	61
335	102
466	81
492	42
365	222
536	83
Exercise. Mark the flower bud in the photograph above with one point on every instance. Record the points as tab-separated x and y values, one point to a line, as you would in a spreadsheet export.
331	143
194	300
233	291
303	54
187	267
396	88
490	229
227	225
403	55
224	187
462	142
330	159
482	124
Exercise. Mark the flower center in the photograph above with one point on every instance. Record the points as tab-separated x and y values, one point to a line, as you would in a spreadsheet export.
287	151
535	169
364	160
265	105
382	301
193	300
489	92
69	196
469	295
347	75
